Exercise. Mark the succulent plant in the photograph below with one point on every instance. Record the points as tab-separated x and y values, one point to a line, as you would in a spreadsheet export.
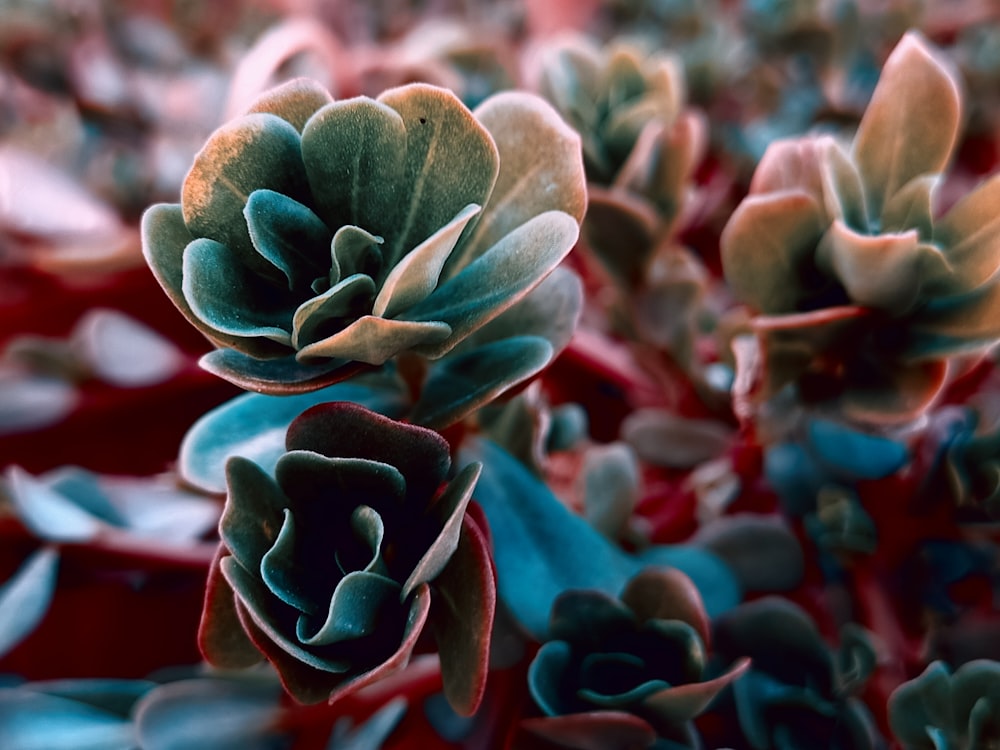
315	237
797	694
640	144
862	293
331	568
642	655
940	710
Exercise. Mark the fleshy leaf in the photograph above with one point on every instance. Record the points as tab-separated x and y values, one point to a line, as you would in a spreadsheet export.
280	376
460	383
417	272
970	232
461	617
25	597
348	298
230	298
294	101
677	704
221	639
450	506
496	280
665	594
47	513
911	123
289	236
666	439
853	454
30	721
766	245
598	730
610	475
762	553
450	162
222	714
375	340
540	169
353	151
252	152
252	518
254	426
355	611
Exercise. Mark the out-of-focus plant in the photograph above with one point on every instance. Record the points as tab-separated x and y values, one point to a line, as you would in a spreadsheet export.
315	238
941	710
634	666
862	293
332	568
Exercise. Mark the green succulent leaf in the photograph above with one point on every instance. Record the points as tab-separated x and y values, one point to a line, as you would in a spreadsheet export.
450	161
970	234
221	638
375	340
910	125
356	609
289	236
353	152
348	298
540	170
497	280
252	519
31	720
767	248
25	597
294	101
247	154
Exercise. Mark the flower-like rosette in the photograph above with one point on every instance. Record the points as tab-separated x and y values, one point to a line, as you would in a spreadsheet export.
315	237
862	292
331	568
635	663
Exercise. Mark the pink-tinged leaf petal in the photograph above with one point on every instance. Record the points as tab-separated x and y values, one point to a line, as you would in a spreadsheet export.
294	101
792	166
912	207
611	481
843	193
417	272
375	340
450	507
25	597
616	220
895	393
250	153
762	552
767	248
278	377
347	299
600	730
959	324
970	236
880	271
348	430
461	618
497	279
28	402
910	125
667	594
666	439
676	705
221	638
124	352
541	169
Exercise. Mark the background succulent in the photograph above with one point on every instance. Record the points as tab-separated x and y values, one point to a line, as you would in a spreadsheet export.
331	568
863	292
315	237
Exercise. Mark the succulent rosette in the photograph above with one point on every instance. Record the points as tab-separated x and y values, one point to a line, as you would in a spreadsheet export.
633	666
640	142
316	237
331	568
862	292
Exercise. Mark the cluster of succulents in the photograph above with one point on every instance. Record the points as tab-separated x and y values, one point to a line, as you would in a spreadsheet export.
508	375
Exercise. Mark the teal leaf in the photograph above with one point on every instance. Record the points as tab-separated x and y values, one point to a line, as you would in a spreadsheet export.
498	279
217	713
284	375
47	513
35	721
356	609
347	299
353	152
221	637
228	297
252	519
460	383
450	162
254	426
853	454
25	597
373	732
538	540
116	696
252	152
547	676
289	236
